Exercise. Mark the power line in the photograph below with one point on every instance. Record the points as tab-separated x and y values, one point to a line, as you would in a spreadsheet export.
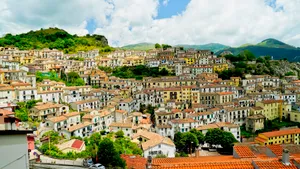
13	161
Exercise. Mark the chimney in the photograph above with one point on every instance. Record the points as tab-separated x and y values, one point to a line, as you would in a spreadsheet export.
149	162
286	157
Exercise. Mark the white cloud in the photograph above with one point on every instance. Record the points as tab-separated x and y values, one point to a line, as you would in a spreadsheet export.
231	22
165	2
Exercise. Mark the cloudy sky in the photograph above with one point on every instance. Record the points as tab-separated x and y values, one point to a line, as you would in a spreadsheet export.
230	22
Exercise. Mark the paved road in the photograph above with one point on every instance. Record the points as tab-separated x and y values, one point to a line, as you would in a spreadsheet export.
48	166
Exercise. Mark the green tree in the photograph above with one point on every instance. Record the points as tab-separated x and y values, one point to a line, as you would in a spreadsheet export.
108	156
179	141
228	140
54	136
79	82
260	60
249	55
214	136
289	74
198	134
22	114
164	72
165	46
191	141
119	134
157	46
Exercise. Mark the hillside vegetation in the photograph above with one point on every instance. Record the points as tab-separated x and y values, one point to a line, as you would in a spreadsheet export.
247	63
215	47
139	46
269	47
54	38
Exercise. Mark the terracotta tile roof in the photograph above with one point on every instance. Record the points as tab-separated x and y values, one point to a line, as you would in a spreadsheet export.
86	101
281	132
57	119
276	149
271	101
79	126
77	144
186	120
72	114
136	114
225	93
176	111
273	164
259	139
122	125
244	152
134	161
48	105
155	141
121	111
210	162
164	126
6	112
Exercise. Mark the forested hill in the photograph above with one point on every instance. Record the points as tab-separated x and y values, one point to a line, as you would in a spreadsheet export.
269	47
55	38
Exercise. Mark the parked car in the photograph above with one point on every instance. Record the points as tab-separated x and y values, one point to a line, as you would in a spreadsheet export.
97	166
88	162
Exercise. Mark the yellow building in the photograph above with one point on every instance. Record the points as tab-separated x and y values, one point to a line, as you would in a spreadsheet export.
228	82
224	97
165	82
133	61
27	60
236	80
189	60
172	94
220	67
290	136
294	116
272	108
1	77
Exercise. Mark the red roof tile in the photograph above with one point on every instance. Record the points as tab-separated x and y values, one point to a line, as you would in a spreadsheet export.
77	144
244	152
276	149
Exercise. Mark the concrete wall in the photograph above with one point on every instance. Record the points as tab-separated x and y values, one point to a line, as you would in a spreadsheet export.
167	150
14	152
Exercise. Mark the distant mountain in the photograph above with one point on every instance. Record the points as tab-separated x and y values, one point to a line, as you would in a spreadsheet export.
139	46
274	43
215	47
146	46
269	47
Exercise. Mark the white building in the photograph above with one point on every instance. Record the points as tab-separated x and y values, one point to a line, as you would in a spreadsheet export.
129	105
154	144
125	127
85	104
50	96
78	130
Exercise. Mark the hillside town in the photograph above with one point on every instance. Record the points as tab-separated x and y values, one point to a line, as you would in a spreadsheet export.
149	111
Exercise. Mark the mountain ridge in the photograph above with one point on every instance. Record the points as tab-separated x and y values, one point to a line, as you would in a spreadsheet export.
269	47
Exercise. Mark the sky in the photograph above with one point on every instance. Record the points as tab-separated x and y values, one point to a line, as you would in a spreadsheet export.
123	22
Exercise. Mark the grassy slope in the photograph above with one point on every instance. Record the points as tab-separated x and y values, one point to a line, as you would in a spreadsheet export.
139	46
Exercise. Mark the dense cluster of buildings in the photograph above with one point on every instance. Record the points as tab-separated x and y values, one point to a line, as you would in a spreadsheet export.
194	98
